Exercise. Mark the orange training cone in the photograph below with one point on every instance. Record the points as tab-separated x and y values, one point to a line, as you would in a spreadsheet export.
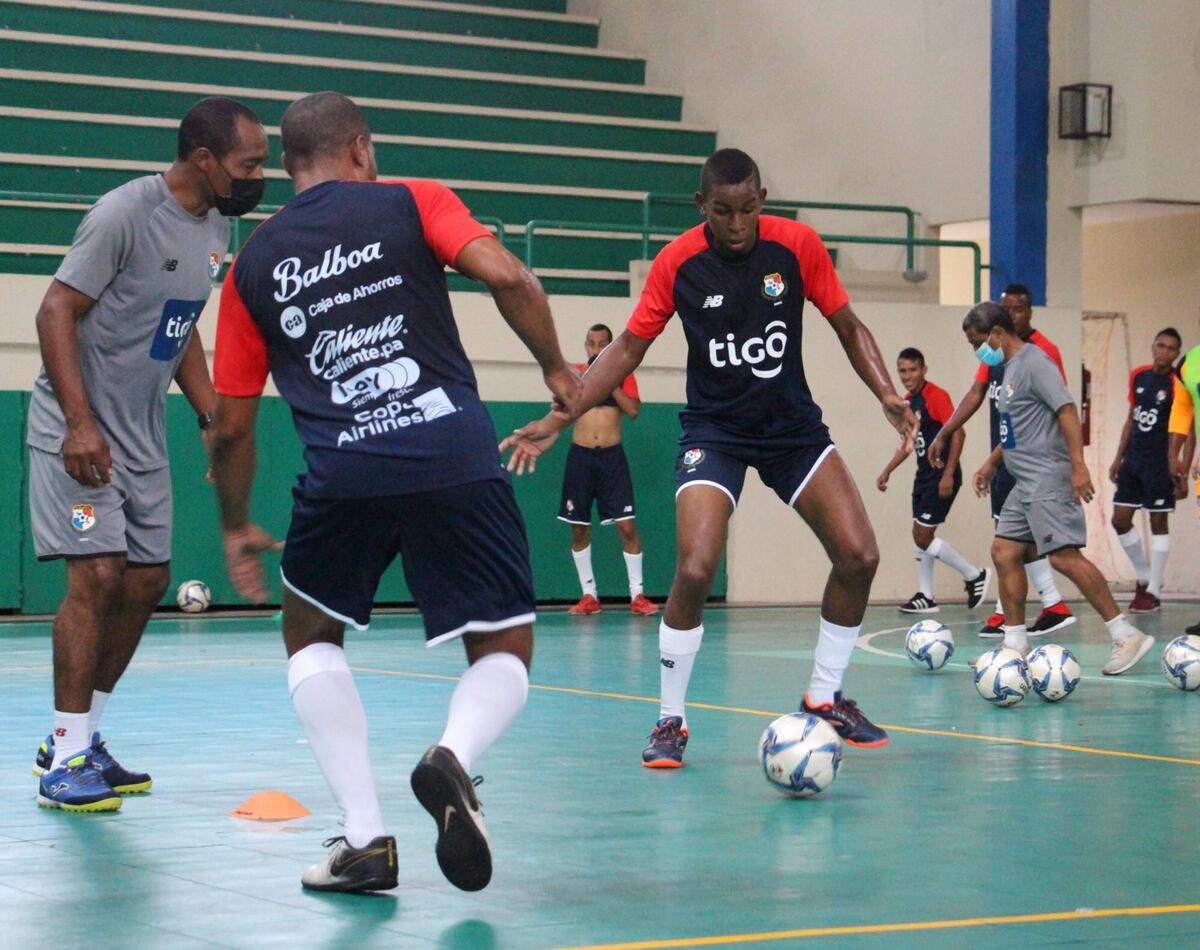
270	806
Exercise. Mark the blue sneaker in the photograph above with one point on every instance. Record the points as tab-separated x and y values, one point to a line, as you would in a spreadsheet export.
848	721
668	739
120	779
77	785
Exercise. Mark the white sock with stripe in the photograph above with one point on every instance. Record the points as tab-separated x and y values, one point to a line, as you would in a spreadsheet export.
1160	550
924	571
945	552
1131	541
583	567
677	649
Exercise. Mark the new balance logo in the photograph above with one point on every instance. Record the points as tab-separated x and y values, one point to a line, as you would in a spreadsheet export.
711	303
669	664
170	265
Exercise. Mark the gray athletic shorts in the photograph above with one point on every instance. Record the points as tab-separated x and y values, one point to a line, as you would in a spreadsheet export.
130	516
1050	523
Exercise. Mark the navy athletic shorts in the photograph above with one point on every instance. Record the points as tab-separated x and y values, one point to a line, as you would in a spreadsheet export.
599	475
928	507
1142	485
464	552
1002	484
785	471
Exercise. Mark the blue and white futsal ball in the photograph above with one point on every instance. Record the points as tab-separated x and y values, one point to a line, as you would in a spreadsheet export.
1002	677
800	754
929	644
1053	671
193	597
1181	662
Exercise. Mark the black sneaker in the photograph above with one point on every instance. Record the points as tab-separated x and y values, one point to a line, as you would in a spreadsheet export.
354	870
1052	618
993	627
977	588
446	791
848	721
1193	630
918	603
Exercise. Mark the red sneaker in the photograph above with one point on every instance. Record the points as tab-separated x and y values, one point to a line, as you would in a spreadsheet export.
994	628
588	604
1052	618
1143	601
640	605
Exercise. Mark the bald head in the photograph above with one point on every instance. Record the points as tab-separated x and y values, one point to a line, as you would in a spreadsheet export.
325	127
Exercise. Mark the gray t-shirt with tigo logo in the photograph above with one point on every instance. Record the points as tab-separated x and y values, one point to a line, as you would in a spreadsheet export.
1035	451
150	267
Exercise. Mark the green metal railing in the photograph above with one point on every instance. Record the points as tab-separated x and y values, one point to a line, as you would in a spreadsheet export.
910	216
494	223
611	228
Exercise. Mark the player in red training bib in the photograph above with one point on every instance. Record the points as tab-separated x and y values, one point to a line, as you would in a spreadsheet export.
739	282
933	491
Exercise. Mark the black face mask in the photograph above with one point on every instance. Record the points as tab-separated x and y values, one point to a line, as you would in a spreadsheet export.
244	195
592	359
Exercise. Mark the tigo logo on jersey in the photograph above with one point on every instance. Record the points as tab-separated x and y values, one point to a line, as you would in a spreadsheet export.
692	457
83	517
757	349
174	327
774	286
214	264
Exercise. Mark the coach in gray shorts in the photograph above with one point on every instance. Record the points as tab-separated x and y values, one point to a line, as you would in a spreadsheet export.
1042	443
116	327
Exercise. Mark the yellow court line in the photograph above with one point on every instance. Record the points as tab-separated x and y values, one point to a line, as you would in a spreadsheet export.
915	730
896	928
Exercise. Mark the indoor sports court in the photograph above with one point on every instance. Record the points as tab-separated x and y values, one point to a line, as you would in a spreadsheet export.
1038	825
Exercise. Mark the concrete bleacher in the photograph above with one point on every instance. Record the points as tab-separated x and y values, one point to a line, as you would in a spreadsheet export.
511	104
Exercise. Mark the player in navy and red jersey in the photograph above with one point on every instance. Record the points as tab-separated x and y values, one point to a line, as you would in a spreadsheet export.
739	282
1141	469
933	491
598	471
1055	614
342	297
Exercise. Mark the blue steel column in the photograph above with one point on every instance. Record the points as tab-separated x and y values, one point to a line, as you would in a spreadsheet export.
1020	119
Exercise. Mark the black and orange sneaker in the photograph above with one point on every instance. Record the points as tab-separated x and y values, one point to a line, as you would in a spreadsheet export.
848	721
1052	618
668	739
994	628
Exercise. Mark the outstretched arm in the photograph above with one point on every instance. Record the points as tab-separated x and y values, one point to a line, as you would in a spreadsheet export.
882	481
863	353
966	408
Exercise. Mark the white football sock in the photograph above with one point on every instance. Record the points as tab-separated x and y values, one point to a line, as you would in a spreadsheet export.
1160	549
1131	541
835	643
944	551
583	567
924	571
633	567
1041	579
99	701
678	649
335	724
1121	629
71	736
1015	638
487	699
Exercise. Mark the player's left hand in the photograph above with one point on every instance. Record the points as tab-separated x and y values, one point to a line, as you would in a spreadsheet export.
1081	483
242	549
530	441
945	487
981	481
902	418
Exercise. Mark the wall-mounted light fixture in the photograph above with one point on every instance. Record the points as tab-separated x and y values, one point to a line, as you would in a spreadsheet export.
1085	111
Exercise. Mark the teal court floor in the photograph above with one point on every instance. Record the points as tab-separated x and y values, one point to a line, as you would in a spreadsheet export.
1039	825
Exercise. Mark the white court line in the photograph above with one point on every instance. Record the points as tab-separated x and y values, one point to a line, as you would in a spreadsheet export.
864	643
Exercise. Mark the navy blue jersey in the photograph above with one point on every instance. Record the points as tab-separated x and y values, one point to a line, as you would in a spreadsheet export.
742	319
1150	397
933	405
342	296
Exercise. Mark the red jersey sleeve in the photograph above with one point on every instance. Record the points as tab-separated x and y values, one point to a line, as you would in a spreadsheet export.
1043	343
629	387
448	224
657	304
821	283
240	362
1133	379
981	374
938	404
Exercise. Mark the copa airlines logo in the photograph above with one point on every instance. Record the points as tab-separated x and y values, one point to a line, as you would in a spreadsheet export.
1145	418
292	280
752	352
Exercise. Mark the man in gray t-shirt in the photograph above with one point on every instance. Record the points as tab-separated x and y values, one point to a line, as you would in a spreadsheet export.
116	327
1042	442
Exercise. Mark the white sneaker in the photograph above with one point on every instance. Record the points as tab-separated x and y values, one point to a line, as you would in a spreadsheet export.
1126	652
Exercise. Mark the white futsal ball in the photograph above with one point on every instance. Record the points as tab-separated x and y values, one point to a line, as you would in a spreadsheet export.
1053	671
1002	677
929	644
800	754
1181	662
193	597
